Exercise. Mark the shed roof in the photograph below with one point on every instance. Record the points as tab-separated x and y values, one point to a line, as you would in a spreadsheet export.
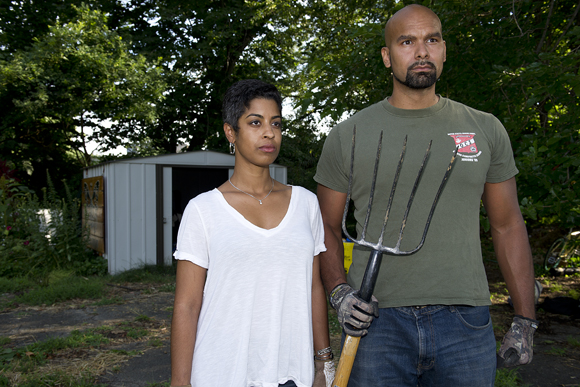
201	158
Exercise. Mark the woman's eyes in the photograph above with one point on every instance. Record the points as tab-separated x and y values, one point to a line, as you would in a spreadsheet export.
277	124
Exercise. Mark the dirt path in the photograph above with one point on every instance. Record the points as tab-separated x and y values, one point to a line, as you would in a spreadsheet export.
145	360
128	360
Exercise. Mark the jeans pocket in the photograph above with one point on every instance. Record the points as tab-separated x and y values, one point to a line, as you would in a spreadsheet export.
473	317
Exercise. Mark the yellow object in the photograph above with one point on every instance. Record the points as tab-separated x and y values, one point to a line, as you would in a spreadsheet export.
347	254
346	361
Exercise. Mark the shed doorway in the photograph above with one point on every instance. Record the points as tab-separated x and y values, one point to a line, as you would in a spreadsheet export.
187	183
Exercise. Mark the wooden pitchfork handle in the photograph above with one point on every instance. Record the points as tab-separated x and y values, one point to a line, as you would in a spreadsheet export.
351	343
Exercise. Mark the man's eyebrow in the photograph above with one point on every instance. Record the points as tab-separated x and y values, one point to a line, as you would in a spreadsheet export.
402	38
405	37
435	35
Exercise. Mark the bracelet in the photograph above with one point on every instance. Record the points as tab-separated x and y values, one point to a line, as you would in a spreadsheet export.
324	351
328	357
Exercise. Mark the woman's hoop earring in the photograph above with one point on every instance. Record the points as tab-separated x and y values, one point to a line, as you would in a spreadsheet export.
232	148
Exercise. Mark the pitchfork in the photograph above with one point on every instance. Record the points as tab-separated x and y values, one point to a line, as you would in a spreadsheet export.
370	276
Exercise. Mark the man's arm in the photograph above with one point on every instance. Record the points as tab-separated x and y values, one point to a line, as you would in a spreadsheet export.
511	245
332	260
354	314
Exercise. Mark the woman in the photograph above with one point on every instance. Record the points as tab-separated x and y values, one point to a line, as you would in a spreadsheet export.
250	308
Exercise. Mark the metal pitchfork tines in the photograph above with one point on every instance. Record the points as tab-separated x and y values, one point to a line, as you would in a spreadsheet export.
372	270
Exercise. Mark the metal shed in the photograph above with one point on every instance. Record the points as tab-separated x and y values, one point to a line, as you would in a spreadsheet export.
133	206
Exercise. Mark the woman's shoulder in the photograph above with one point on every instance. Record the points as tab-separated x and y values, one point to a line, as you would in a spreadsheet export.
205	198
304	194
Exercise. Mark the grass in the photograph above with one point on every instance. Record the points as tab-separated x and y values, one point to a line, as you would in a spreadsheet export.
147	274
30	365
62	286
507	378
56	379
574	342
115	300
47	363
557	351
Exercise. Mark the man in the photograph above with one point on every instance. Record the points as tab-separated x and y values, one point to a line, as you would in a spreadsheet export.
433	326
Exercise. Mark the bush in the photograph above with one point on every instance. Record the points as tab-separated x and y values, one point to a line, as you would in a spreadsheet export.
40	236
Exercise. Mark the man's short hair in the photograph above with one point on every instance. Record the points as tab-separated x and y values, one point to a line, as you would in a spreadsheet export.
239	96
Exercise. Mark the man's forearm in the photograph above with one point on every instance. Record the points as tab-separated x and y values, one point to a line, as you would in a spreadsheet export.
332	261
514	256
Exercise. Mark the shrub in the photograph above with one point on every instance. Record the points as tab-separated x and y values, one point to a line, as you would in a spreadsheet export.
40	236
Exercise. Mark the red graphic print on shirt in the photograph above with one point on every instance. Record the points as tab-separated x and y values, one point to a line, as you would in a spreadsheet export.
464	142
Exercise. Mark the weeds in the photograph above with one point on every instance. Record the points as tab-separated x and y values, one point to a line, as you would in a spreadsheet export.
557	351
507	378
109	301
147	274
574	342
57	379
143	318
73	287
40	236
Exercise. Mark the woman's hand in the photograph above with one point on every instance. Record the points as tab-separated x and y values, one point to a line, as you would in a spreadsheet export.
323	373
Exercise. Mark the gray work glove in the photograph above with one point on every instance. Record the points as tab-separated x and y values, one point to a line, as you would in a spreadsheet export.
323	373
516	346
354	314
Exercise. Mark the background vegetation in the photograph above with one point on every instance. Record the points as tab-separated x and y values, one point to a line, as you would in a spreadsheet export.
150	74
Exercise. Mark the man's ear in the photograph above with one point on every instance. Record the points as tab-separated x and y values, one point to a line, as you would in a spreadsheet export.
386	58
230	133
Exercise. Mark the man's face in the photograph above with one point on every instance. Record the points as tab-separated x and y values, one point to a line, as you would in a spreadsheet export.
415	48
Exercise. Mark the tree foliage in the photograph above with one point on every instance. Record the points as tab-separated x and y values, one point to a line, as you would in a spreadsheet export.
517	59
206	46
58	92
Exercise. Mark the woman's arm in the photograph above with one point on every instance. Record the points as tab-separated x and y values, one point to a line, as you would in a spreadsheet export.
319	309
324	365
190	281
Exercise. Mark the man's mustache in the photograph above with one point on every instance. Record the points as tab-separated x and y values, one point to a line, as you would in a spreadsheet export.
422	64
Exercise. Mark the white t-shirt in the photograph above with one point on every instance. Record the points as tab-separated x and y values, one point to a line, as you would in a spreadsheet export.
255	324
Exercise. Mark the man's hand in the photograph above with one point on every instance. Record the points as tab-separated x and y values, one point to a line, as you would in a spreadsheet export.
354	314
323	373
516	346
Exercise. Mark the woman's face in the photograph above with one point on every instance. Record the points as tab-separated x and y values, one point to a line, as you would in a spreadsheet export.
260	135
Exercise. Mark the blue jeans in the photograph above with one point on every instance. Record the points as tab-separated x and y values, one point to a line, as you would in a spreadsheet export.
289	383
435	345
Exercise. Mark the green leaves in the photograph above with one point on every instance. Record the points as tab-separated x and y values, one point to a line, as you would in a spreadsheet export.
59	91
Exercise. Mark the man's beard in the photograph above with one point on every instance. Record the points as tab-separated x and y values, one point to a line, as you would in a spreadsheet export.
421	80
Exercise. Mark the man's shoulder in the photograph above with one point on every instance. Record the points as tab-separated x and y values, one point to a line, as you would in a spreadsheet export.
462	108
365	116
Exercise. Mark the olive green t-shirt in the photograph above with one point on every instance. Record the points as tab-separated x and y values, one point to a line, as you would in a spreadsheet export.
449	268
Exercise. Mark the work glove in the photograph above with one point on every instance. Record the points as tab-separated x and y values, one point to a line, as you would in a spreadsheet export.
516	346
354	314
323	373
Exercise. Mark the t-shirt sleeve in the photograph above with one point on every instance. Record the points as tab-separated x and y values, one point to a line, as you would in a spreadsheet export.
502	166
331	171
192	242
317	227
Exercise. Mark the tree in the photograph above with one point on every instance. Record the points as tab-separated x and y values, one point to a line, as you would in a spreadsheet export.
517	59
65	85
206	46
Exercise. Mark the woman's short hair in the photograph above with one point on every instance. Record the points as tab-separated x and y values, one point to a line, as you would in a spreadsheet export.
239	96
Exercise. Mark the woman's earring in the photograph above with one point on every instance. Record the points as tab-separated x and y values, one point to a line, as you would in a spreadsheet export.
232	148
